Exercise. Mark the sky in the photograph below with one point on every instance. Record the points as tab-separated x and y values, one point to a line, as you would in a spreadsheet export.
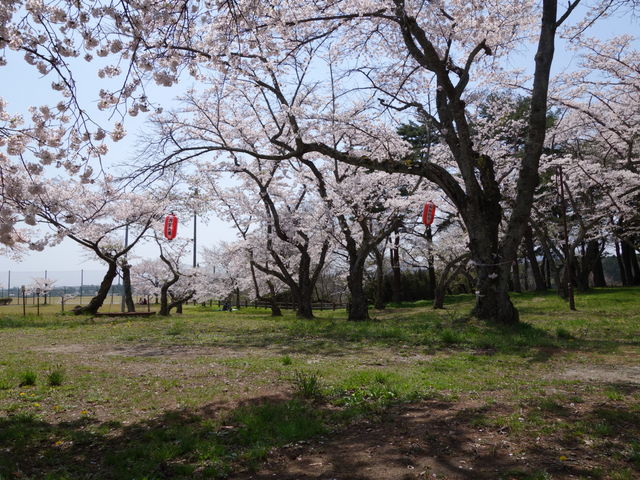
67	259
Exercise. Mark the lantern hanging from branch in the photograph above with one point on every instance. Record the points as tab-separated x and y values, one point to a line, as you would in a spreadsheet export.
428	213
170	226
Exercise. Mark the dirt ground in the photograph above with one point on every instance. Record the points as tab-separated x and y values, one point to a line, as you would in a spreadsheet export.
430	440
438	440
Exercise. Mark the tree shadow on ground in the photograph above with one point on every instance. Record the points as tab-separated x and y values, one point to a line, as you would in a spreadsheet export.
437	439
205	443
453	440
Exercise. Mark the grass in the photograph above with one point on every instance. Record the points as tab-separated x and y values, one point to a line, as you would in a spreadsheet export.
307	385
28	378
207	393
55	377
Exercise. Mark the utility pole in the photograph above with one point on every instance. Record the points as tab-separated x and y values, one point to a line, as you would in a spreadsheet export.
194	239
126	243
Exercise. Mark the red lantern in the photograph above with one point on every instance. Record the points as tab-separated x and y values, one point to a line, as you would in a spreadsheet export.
428	213
170	226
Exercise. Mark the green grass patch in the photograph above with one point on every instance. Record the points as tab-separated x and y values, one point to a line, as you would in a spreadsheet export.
28	378
185	397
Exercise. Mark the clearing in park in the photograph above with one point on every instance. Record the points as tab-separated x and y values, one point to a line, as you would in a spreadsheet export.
413	393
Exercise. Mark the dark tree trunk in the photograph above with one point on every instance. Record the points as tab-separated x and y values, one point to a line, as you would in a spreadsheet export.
276	311
538	277
493	271
275	308
303	300
587	264
165	306
96	302
126	284
598	272
379	295
525	274
164	300
303	291
439	294
358	305
492	298
631	266
396	275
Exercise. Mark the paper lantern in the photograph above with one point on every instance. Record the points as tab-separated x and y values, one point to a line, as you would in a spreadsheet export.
428	213
170	226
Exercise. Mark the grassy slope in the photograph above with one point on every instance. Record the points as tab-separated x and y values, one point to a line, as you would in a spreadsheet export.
200	395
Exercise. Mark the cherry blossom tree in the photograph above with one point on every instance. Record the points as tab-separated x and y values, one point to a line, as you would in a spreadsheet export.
176	282
384	61
600	133
93	215
280	223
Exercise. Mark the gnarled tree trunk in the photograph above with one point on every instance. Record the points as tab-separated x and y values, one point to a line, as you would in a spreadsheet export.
96	302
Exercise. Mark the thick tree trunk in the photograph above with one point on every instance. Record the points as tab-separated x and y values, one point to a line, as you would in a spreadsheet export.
439	294
275	308
358	305
303	300
96	302
276	311
493	270
396	275
164	300
303	290
126	284
492	298
598	272
379	287
165	306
